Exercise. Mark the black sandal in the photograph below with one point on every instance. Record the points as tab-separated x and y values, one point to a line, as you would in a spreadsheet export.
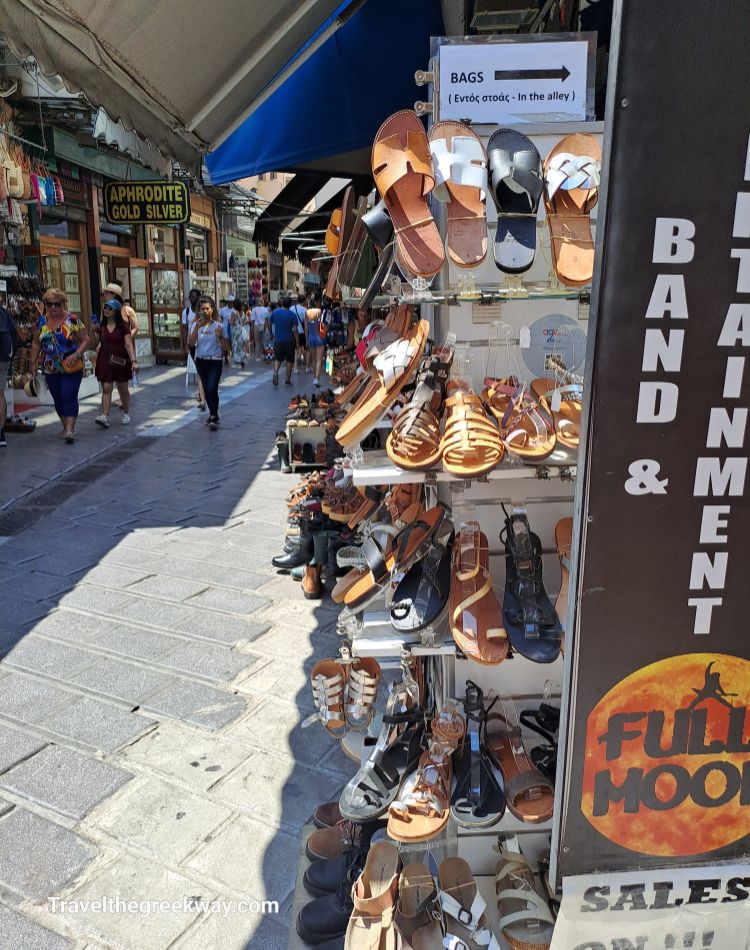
422	594
545	721
478	800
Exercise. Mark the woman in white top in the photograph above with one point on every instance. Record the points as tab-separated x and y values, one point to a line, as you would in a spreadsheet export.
259	316
209	338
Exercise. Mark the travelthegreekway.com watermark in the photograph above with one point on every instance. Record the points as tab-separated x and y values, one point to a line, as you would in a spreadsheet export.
147	908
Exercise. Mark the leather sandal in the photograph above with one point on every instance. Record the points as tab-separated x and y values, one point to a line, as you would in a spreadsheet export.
423	807
516	184
478	801
528	794
475	615
418	914
460	164
422	593
403	173
526	921
572	171
374	898
471	444
361	692
392	758
463	908
526	424
414	441
328	678
530	620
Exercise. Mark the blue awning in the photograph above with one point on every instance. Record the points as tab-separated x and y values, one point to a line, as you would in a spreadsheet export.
336	101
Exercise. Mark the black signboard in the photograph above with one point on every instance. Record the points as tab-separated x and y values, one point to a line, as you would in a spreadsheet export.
146	202
658	757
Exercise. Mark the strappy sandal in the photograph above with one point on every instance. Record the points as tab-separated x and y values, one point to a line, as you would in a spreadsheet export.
526	424
475	614
374	896
463	908
471	444
372	496
397	554
421	595
478	801
528	794
414	441
328	679
460	164
361	692
393	757
423	807
545	721
526	921
418	914
564	396
395	367
572	171
529	618
345	229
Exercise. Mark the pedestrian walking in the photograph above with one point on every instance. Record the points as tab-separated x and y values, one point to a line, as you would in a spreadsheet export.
61	340
189	316
226	313
259	317
238	325
209	338
300	357
316	342
115	360
285	339
113	291
8	341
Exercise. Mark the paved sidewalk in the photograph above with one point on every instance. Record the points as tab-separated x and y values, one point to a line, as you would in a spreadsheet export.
153	679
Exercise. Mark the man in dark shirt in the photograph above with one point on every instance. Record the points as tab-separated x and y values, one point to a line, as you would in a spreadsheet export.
8	340
285	339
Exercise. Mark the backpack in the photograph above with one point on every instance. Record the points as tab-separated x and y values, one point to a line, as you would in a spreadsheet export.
7	336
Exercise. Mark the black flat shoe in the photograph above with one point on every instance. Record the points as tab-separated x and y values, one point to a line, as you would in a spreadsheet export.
326	918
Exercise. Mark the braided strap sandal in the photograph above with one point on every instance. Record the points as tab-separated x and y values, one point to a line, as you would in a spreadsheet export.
414	441
328	679
463	907
361	692
526	424
526	921
423	808
471	444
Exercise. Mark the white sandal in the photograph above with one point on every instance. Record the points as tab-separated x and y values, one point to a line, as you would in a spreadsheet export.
461	901
526	921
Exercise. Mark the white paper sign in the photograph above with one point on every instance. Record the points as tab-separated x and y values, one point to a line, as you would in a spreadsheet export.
703	908
496	83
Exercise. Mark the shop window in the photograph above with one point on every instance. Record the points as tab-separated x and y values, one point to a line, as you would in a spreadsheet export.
54	228
62	270
162	245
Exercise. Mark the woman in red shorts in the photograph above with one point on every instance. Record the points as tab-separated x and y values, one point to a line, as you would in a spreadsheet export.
115	360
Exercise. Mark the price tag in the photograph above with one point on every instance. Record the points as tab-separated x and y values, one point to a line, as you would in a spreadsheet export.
556	401
525	338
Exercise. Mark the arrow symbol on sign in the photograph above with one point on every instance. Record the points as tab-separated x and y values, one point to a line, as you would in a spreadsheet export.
561	74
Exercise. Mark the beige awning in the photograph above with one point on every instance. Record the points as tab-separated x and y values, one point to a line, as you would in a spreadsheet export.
181	73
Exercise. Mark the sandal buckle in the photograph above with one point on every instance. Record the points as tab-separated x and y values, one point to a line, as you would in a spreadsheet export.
464	917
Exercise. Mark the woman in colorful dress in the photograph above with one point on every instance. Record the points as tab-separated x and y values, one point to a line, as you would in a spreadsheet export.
239	337
115	361
61	340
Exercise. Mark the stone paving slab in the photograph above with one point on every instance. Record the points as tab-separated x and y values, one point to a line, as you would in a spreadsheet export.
183	754
250	858
19	933
96	724
161	819
46	656
236	603
171	588
121	680
37	857
132	878
30	700
276	727
214	662
197	704
15	746
64	781
135	641
222	627
236	931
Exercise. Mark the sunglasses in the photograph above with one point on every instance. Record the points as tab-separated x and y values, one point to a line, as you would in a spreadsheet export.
53	303
107	307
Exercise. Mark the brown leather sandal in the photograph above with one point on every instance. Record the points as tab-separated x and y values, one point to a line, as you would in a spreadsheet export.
328	679
414	441
374	896
528	794
476	617
417	916
471	444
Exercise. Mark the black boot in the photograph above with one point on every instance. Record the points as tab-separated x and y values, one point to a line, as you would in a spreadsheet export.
334	543
327	918
282	447
320	546
325	875
302	554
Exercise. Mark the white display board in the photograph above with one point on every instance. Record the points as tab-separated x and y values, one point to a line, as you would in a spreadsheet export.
515	82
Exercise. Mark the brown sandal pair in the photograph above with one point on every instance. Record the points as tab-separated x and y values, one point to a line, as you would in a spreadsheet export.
344	694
